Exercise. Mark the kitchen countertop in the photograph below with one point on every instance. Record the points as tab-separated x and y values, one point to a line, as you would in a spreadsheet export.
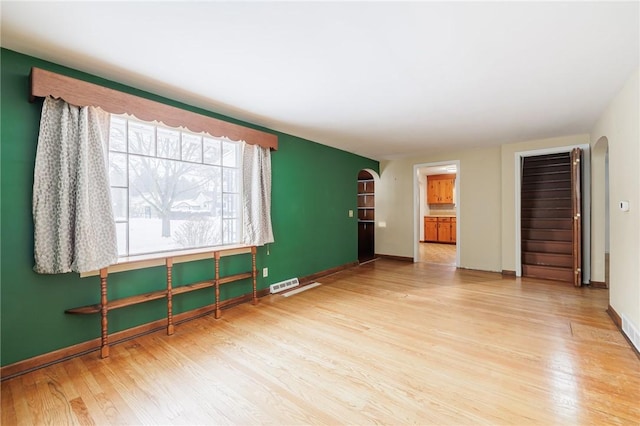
440	215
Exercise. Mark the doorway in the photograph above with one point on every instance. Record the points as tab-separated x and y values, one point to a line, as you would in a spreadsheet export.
536	218
552	217
436	213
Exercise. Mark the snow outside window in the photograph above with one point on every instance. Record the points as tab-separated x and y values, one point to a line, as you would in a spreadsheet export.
172	189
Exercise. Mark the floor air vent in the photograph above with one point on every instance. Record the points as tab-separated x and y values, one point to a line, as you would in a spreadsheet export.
284	285
631	332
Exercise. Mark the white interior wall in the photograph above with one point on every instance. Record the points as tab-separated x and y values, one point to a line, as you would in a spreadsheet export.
607	202
478	209
599	193
620	125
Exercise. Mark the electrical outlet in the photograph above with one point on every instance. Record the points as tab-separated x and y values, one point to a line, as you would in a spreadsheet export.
350	213
265	272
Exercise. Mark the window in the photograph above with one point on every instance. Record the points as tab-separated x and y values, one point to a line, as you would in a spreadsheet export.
172	189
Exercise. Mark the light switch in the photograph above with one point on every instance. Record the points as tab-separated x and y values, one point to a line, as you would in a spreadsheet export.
350	213
624	206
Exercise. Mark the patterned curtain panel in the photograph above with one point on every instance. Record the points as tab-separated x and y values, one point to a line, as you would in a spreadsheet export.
256	201
73	219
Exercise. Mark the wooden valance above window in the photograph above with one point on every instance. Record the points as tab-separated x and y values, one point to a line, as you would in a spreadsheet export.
81	93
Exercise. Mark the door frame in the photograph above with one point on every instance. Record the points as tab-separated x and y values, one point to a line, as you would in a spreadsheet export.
586	203
416	206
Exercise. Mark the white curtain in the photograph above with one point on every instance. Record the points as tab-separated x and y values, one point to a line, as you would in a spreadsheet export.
256	201
74	228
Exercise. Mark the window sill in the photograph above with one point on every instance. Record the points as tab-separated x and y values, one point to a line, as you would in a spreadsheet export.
130	263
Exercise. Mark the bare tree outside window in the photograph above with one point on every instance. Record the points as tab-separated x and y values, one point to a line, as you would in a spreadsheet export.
172	189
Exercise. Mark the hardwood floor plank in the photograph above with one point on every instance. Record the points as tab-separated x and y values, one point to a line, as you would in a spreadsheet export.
20	402
8	413
388	342
114	405
81	412
88	405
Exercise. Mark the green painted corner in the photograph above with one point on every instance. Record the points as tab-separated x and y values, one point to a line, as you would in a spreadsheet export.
313	188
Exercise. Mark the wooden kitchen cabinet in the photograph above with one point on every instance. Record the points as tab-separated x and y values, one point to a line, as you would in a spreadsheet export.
444	230
446	190
431	229
454	230
440	229
440	189
433	191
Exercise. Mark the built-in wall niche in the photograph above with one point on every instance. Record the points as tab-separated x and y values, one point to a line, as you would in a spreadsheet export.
366	197
366	215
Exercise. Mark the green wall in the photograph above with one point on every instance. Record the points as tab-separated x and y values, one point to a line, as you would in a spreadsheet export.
313	188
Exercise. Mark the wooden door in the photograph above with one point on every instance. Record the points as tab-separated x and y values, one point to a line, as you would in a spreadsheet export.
576	203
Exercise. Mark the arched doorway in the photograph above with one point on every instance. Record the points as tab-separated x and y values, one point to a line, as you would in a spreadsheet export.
366	215
600	208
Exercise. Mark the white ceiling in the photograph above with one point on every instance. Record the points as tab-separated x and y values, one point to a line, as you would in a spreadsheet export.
380	79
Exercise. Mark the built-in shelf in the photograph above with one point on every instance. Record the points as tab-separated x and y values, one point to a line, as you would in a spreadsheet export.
366	215
106	305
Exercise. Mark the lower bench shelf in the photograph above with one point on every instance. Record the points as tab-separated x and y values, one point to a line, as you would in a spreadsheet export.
106	305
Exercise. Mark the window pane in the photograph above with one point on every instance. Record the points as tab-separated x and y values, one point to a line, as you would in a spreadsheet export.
168	143
144	172
119	203
117	134
146	234
121	237
117	169
141	138
211	149
217	204
198	232
230	152
191	148
170	190
217	225
230	231
230	182
230	203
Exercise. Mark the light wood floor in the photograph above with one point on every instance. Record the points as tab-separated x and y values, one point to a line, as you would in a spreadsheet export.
442	254
388	342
